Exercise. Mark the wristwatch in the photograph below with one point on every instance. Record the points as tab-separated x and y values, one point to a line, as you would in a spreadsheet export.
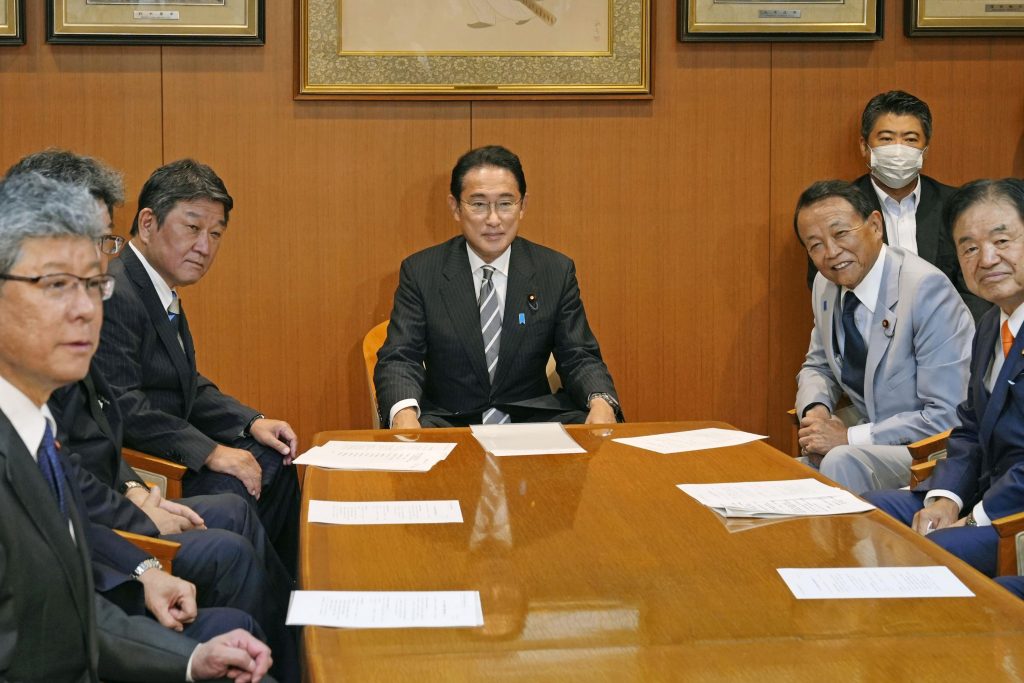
970	521
128	485
257	416
145	566
606	396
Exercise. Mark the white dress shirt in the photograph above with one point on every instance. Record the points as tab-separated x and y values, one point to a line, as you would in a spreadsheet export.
900	217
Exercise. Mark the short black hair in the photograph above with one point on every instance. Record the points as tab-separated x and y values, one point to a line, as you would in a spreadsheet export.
899	103
826	189
1010	190
103	182
491	155
184	180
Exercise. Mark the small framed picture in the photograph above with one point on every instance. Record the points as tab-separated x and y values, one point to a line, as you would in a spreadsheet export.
963	18
12	22
770	20
156	22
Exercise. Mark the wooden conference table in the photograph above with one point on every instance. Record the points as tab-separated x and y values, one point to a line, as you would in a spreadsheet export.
614	574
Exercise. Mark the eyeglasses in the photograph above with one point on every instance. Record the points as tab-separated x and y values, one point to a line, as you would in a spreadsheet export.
503	207
843	236
61	286
111	245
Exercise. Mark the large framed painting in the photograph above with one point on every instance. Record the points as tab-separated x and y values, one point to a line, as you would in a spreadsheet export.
473	49
963	18
149	22
770	20
12	22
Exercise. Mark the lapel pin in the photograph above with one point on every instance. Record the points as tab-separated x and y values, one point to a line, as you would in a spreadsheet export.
522	318
531	301
885	324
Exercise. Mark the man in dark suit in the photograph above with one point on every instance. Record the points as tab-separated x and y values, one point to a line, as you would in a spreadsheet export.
51	625
476	318
895	131
982	477
147	355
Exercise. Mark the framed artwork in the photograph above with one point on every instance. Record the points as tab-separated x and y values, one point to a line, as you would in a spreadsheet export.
12	22
769	20
963	18
473	49
155	22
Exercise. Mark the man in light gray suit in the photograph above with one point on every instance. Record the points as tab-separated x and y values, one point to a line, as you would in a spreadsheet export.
890	331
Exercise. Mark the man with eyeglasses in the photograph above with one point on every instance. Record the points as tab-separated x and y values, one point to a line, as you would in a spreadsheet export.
224	549
476	318
982	476
52	625
890	332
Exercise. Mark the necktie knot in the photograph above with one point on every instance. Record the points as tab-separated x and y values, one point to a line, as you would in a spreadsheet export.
1007	338
173	308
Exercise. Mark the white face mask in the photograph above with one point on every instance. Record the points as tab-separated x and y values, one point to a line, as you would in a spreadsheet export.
896	165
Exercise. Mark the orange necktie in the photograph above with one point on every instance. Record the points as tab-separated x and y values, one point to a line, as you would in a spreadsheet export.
1007	339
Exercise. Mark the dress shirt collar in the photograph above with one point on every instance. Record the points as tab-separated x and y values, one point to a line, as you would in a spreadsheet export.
163	290
500	264
868	289
28	419
883	196
1015	318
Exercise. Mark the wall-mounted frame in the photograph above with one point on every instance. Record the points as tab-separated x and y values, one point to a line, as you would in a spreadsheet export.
138	22
768	20
473	49
12	22
963	18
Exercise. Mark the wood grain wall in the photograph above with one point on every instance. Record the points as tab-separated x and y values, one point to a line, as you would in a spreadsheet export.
677	210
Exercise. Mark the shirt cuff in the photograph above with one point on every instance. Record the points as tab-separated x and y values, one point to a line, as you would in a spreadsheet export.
860	435
188	669
942	493
980	516
402	405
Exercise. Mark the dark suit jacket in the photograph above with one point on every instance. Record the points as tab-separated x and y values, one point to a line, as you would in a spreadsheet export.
985	455
934	244
169	409
52	625
434	351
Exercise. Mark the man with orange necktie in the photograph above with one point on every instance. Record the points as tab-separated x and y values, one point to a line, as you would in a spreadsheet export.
982	477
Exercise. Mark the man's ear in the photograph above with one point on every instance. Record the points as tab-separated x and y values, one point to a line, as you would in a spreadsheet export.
147	224
453	206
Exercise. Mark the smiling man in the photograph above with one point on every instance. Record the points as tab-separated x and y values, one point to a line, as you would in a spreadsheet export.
476	318
890	332
982	477
148	357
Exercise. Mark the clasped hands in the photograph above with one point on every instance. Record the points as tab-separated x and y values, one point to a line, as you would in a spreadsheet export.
820	432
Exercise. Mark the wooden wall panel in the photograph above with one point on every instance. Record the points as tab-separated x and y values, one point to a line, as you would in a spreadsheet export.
100	101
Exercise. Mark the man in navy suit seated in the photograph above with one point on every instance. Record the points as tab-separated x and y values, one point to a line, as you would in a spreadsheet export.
982	477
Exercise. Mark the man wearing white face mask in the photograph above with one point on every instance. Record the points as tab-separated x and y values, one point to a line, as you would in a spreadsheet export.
896	128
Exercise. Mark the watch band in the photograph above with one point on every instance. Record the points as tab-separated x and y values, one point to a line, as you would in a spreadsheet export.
606	396
145	566
133	485
248	427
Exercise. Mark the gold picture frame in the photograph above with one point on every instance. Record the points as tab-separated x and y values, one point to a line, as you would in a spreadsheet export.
963	18
769	20
12	22
473	49
156	22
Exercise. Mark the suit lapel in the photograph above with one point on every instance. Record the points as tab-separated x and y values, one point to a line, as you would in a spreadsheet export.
829	307
457	294
1010	373
520	280
927	214
883	325
25	479
158	315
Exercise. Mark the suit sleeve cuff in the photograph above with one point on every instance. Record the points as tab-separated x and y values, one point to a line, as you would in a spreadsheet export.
188	669
402	405
980	516
942	493
860	435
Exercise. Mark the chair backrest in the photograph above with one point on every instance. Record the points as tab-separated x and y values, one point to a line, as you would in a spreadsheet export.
372	342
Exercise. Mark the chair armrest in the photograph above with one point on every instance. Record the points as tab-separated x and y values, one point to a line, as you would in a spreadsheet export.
172	472
162	550
1008	527
921	471
921	449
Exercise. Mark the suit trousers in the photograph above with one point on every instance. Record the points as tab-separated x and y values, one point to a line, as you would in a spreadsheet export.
1014	584
978	546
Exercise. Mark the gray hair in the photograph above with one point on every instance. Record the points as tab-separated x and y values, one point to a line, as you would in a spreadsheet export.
33	206
102	181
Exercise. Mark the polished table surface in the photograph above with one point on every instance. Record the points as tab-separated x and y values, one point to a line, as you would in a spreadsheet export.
612	573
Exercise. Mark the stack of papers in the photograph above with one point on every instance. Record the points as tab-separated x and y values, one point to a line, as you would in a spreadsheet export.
385	512
787	498
874	582
385	609
693	440
543	438
372	455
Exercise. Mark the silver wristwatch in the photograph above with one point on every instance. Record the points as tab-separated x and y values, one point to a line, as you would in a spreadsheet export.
145	566
607	397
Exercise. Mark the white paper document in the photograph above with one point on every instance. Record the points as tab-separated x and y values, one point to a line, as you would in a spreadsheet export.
874	582
786	498
385	512
541	438
693	440
385	609
375	455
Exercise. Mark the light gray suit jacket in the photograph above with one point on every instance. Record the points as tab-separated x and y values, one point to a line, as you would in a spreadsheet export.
919	352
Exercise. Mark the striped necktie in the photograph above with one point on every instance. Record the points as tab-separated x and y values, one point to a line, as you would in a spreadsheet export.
173	308
490	328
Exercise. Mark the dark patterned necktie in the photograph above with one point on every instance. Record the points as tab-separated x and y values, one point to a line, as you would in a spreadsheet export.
490	328
53	471
855	351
